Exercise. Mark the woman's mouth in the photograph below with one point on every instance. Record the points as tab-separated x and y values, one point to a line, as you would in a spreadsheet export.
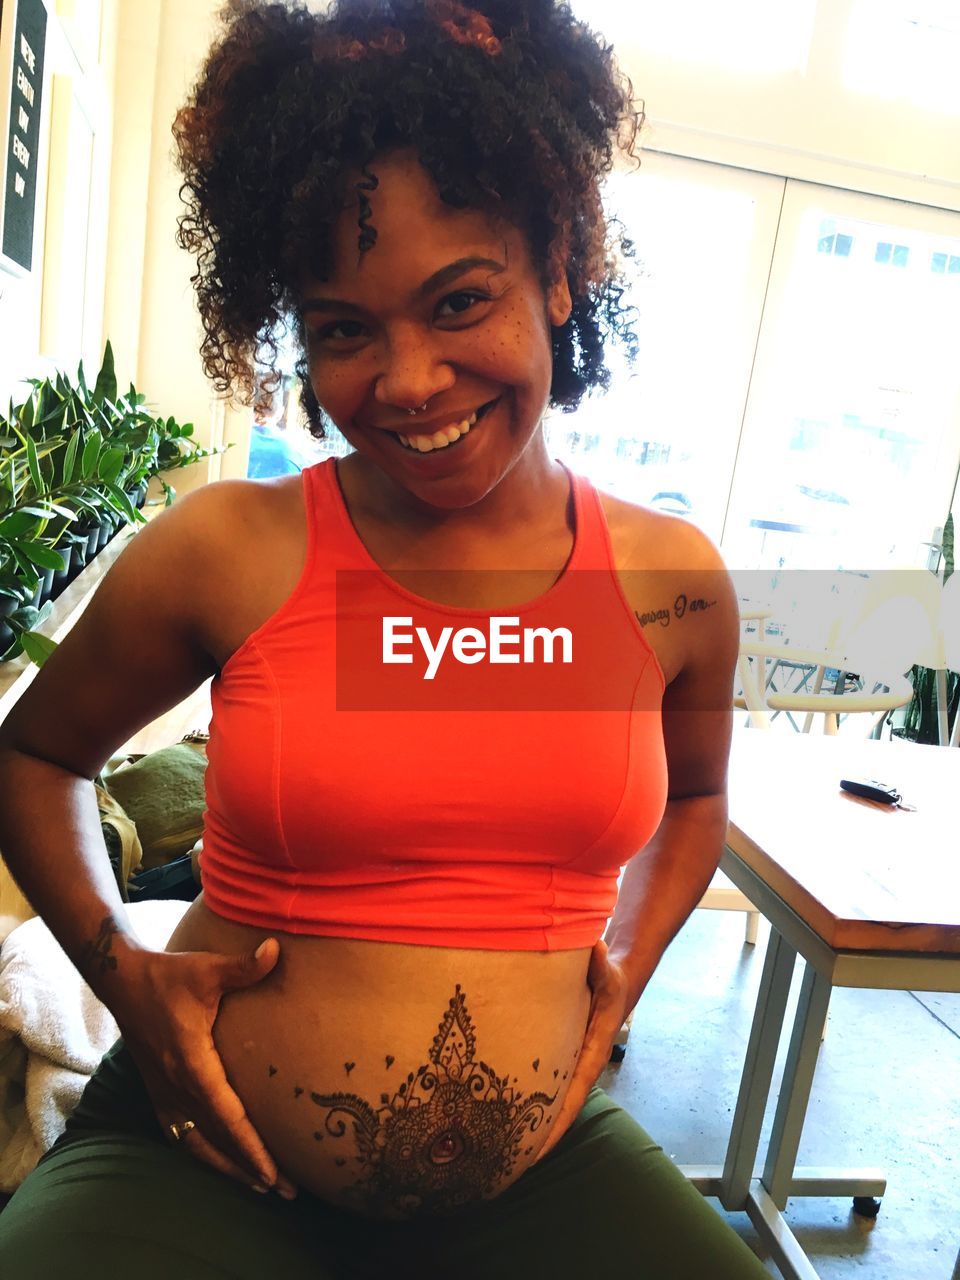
446	438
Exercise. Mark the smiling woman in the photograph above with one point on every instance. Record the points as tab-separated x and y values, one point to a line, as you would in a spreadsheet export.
392	995
402	347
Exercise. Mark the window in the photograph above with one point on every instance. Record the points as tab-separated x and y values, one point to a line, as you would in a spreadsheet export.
895	255
945	263
851	439
838	245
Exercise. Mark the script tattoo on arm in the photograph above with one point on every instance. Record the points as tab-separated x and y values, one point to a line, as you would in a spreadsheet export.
445	1138
98	953
682	605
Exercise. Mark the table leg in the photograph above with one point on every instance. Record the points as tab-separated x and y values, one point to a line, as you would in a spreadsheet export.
755	1082
781	1243
797	1083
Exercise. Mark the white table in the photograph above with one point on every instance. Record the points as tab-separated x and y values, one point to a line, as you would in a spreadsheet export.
868	896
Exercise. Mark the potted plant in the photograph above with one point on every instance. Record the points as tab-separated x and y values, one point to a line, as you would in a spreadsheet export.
921	721
74	465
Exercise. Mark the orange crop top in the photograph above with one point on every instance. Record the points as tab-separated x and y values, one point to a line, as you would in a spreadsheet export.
490	805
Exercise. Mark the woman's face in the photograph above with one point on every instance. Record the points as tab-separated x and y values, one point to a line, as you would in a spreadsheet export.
410	322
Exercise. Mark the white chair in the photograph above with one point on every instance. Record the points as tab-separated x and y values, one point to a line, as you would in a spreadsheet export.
890	691
723	895
882	624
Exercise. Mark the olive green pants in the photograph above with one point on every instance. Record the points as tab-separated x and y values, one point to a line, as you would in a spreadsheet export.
111	1197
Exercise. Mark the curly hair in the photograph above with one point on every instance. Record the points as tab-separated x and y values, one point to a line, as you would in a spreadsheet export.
513	107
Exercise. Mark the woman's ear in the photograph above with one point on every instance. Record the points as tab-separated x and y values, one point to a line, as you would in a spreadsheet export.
559	302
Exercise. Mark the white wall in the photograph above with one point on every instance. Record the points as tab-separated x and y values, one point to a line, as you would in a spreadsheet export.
80	53
813	123
138	39
168	364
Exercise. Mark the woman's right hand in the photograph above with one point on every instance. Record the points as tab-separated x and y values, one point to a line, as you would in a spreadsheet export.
167	1025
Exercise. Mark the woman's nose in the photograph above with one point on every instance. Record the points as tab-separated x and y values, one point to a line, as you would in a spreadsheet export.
413	372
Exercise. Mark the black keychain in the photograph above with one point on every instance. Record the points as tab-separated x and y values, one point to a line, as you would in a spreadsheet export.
871	789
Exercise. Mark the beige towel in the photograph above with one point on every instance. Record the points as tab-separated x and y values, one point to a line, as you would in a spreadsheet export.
53	1033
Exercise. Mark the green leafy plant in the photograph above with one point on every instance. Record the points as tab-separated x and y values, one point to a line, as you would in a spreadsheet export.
72	457
922	720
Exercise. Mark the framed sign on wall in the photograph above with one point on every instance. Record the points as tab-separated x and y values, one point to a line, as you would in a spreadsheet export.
23	34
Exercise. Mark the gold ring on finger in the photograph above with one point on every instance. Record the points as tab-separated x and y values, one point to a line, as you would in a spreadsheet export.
178	1130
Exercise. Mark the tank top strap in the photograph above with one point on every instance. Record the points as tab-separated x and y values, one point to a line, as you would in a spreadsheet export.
593	548
328	525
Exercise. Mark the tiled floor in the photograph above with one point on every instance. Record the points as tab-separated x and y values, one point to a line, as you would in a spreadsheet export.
886	1094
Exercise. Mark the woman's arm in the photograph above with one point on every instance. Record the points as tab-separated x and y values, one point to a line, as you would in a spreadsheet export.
138	649
666	879
664	882
132	654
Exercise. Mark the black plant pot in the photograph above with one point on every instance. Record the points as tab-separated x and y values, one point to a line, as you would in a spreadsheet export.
61	577
46	585
79	560
84	548
141	494
7	606
107	530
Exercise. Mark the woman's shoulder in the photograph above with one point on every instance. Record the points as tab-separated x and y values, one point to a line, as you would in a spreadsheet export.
673	579
235	508
247	539
646	539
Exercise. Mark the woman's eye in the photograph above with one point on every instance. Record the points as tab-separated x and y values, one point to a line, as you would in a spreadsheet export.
468	294
330	331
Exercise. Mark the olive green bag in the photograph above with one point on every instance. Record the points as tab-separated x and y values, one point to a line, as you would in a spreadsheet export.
163	794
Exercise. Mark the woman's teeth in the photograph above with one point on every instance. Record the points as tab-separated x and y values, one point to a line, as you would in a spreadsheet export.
440	439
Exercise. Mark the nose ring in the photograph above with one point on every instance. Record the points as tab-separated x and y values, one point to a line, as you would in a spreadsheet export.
420	410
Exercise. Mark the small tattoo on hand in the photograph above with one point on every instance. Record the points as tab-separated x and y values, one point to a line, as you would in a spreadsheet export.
271	1070
390	1060
348	1067
99	949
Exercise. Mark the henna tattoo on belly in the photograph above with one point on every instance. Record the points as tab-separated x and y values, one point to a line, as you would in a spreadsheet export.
448	1136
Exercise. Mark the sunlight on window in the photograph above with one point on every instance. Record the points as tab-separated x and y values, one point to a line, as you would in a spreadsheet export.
765	37
859	412
907	49
657	437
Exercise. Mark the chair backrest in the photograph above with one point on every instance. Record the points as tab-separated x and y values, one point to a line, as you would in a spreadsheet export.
894	621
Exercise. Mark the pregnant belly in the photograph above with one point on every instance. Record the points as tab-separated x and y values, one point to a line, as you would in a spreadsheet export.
398	1080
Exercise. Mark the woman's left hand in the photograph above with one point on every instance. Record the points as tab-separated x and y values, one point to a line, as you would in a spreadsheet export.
608	1008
